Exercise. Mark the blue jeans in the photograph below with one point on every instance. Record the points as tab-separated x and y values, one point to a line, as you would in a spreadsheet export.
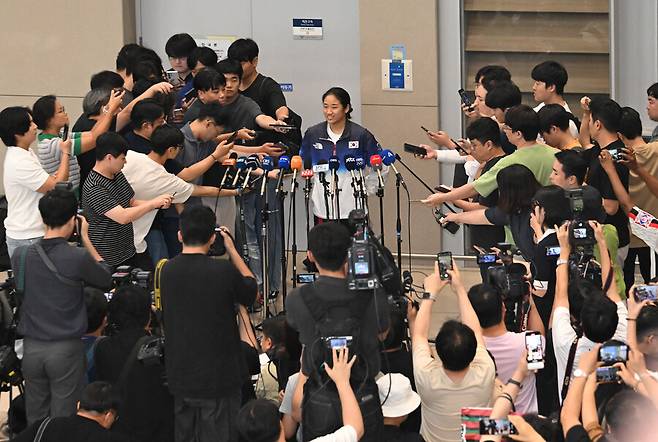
13	244
253	207
156	245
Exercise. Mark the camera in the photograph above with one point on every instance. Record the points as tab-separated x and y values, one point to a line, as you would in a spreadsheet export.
369	264
306	278
450	226
152	352
616	155
581	234
218	248
126	275
509	279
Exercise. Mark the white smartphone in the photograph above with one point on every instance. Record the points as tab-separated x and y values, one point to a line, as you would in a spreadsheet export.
535	350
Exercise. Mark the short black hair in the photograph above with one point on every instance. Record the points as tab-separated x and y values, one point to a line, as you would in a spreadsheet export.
110	143
490	75
483	130
96	304
197	225
599	319
106	80
548	427
215	112
147	68
275	329
627	413
180	45
202	54
652	91
503	95
487	302
145	111
607	111
129	308
43	110
630	123
329	243
551	73
524	119
164	137
229	66
100	397
554	115
14	120
343	97
397	330
127	57
207	79
555	203
243	49
513	198
455	345
258	421
647	321
57	207
573	164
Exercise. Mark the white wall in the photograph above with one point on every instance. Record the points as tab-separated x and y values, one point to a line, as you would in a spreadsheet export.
312	66
636	54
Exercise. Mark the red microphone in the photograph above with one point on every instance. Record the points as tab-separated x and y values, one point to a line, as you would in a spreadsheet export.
307	174
296	164
376	164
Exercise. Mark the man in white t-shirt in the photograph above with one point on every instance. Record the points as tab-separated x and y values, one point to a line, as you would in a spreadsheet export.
505	346
550	77
24	179
462	376
149	177
602	316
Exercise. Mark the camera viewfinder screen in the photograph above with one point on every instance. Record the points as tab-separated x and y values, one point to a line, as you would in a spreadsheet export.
580	233
361	268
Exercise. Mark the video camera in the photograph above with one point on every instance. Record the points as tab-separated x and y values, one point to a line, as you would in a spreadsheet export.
369	264
152	352
126	275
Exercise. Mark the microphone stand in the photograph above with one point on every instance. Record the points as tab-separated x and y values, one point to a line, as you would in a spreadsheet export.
307	194
284	260
336	191
420	180
325	185
265	216
243	228
293	192
398	221
380	195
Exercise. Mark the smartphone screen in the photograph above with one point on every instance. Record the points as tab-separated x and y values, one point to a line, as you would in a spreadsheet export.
611	354
646	293
535	351
502	427
445	264
607	375
553	251
486	258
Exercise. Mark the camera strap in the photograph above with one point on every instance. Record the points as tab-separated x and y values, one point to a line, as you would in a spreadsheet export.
51	266
157	293
567	371
42	429
20	274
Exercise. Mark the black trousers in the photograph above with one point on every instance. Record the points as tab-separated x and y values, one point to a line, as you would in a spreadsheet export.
207	420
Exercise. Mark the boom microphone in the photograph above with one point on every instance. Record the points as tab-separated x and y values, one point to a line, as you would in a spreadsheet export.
252	164
240	165
267	164
388	158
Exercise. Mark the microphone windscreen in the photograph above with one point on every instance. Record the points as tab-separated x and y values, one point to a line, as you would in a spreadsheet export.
334	163
229	162
388	157
233	155
241	163
375	160
284	162
350	162
267	163
360	163
308	164
323	162
296	163
252	161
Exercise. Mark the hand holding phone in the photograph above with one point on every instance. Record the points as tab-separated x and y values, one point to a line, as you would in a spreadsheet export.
416	150
445	263
533	344
645	293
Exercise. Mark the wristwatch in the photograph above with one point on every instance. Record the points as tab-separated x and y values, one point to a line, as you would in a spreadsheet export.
578	373
428	295
559	262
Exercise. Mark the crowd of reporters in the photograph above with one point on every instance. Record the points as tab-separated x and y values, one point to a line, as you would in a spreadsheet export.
143	165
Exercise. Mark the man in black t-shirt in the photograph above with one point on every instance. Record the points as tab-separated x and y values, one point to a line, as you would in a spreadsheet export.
604	120
96	414
484	137
203	357
110	206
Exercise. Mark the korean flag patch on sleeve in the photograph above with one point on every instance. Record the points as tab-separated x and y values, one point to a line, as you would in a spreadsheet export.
353	145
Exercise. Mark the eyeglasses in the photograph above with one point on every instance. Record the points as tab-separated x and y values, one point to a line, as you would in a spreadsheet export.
506	127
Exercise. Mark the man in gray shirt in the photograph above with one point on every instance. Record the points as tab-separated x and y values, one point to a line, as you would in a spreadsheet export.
53	316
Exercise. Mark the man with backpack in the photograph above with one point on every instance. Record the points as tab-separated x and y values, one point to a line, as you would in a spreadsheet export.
328	315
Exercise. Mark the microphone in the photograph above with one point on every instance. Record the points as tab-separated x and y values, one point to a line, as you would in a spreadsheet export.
252	164
350	165
284	164
229	163
295	164
267	164
388	158
240	165
376	164
360	165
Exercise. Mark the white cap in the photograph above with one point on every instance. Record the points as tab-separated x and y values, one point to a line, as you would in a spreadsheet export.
402	400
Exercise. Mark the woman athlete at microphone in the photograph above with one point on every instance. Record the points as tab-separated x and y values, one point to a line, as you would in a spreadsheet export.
333	140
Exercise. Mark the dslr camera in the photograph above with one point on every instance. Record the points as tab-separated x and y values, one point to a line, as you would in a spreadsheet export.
126	275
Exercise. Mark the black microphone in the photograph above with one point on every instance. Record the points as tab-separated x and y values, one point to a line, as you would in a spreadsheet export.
252	164
321	168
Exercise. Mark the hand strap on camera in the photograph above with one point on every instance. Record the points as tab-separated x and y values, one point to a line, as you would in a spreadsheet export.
42	429
51	266
569	369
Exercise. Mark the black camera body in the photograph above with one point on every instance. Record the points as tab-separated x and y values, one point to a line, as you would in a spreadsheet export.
152	352
126	275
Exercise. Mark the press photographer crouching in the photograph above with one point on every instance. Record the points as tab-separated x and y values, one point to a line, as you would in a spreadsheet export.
328	314
201	297
53	316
